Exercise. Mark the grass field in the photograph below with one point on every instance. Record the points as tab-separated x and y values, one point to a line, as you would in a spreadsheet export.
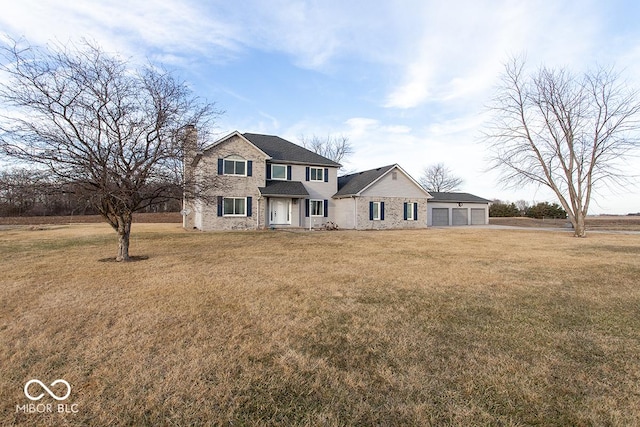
457	326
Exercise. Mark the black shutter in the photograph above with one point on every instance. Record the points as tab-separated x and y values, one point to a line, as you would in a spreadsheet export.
220	205
249	167
249	200
289	173
306	208
381	211
326	174
415	211
406	209
220	166
268	171
370	211
326	208
306	174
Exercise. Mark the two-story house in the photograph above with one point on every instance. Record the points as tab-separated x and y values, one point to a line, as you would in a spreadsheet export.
253	181
260	181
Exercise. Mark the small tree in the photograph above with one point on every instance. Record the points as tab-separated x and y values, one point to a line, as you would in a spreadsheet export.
546	210
498	209
522	205
336	148
115	132
439	178
564	131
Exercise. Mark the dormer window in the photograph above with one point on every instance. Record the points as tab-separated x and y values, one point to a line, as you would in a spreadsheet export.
279	172
235	165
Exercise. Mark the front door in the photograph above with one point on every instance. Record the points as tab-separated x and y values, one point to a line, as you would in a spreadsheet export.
280	211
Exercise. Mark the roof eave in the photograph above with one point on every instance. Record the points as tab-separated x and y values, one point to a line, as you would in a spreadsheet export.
294	162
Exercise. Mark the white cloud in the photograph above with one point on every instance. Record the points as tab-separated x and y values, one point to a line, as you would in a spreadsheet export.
167	28
463	45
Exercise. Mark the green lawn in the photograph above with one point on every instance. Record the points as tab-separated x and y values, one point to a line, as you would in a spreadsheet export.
456	326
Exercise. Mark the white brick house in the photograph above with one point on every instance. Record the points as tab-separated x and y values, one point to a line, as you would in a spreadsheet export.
254	181
262	181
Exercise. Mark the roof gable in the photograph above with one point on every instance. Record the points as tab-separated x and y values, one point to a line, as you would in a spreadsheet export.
282	150
239	135
355	184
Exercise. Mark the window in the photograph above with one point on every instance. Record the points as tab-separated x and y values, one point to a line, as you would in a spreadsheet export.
234	206
279	172
411	211
316	207
376	210
235	167
316	174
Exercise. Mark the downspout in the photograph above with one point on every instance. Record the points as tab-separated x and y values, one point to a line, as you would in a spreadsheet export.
258	214
355	212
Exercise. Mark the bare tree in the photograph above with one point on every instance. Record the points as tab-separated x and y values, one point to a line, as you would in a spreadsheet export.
439	178
20	191
115	131
522	205
336	148
564	131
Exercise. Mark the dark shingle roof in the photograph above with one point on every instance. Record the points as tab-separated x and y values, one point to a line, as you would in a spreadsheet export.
283	150
350	185
284	188
456	197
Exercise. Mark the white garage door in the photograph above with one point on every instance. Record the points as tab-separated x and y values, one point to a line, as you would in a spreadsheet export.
440	216
478	216
460	217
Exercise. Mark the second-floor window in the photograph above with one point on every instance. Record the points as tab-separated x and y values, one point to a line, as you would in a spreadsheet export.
279	172
235	167
316	174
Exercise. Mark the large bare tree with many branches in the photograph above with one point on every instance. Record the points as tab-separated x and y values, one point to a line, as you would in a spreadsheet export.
116	131
336	148
439	178
569	132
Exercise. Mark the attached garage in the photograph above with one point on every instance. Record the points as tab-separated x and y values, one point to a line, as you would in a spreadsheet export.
440	217
478	216
458	209
460	216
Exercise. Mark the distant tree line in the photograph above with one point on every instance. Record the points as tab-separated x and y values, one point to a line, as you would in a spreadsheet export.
27	192
521	208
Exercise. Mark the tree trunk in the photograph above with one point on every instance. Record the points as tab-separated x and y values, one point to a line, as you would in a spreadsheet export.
578	226
124	231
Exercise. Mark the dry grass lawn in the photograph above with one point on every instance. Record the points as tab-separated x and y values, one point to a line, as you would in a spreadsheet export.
432	327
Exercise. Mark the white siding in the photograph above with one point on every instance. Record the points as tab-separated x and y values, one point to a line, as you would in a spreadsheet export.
402	186
345	213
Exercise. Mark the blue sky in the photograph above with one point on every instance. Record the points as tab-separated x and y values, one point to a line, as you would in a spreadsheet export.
407	81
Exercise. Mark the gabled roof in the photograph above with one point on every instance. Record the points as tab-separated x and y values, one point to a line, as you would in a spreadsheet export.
199	155
282	150
456	197
355	183
284	188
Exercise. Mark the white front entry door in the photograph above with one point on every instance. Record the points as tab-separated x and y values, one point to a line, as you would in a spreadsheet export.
280	211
